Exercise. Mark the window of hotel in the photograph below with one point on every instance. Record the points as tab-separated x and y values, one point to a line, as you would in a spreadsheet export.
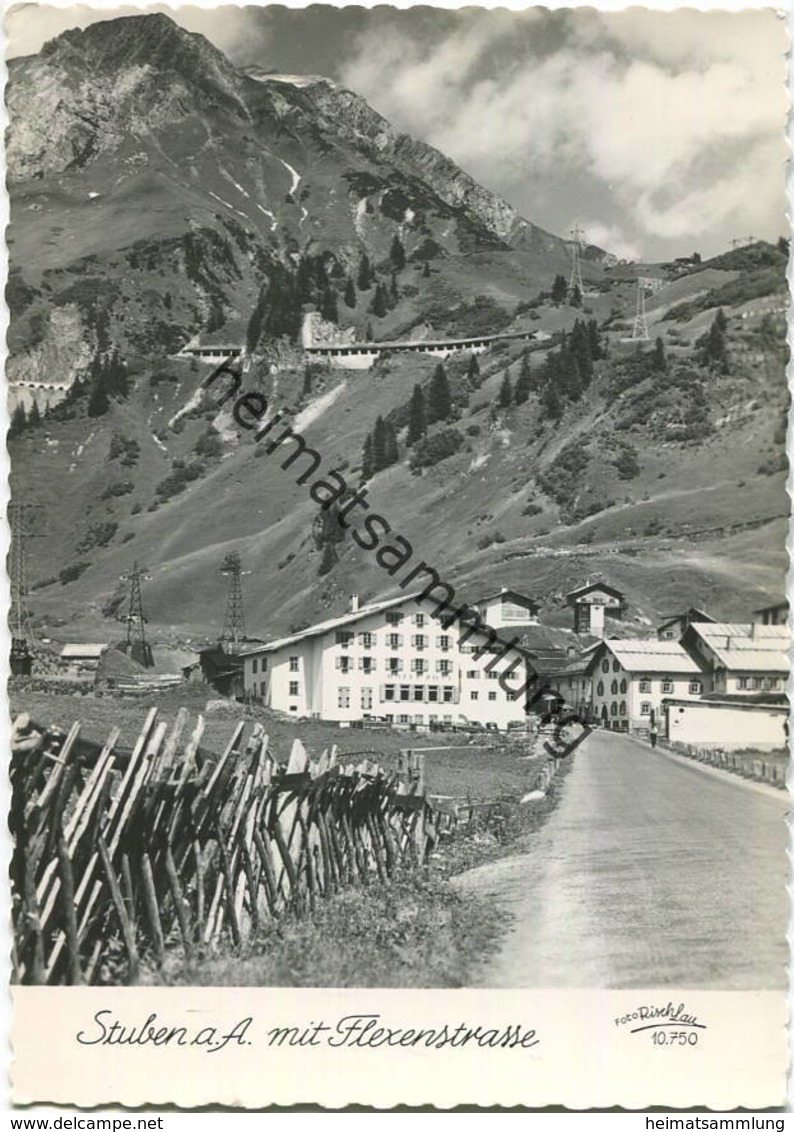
605	666
432	693
615	666
367	664
263	689
263	663
758	682
772	683
443	643
367	640
600	688
394	640
393	618
667	687
419	641
449	694
623	687
419	692
254	666
419	619
433	718
614	688
492	695
418	665
388	691
403	718
419	718
293	664
343	663
645	709
695	687
473	674
492	676
613	708
366	699
622	707
405	691
444	667
343	698
343	638
447	719
645	685
293	688
474	695
394	664
742	681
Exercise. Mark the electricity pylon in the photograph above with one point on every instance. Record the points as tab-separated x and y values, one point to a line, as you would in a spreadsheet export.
234	619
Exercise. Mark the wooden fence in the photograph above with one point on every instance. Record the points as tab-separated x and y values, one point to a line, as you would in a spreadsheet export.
753	765
121	856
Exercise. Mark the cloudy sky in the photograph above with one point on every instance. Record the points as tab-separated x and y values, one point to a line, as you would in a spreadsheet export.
658	132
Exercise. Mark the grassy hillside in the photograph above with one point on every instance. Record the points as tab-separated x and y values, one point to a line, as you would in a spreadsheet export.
670	484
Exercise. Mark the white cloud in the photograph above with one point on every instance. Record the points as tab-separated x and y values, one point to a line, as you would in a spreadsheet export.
638	107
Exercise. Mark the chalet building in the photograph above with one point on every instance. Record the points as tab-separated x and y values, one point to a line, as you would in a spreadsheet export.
631	679
772	614
675	627
79	659
393	661
742	659
508	610
592	605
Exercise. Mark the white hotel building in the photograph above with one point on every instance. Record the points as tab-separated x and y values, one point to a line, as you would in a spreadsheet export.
394	661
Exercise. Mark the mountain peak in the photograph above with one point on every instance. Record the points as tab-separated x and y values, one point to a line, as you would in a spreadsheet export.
153	39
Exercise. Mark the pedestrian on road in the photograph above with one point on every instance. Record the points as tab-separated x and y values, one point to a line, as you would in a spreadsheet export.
654	731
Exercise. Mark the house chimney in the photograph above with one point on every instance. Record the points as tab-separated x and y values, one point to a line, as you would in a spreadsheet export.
354	603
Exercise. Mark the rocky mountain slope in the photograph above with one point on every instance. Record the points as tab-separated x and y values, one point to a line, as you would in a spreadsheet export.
160	195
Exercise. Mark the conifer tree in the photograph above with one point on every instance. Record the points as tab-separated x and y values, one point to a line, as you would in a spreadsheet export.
367	463
391	450
329	307
417	419
576	296
505	398
307	382
395	290
365	274
18	420
397	253
328	560
34	415
426	270
350	293
559	289
473	372
439	399
523	382
551	402
379	306
658	357
379	445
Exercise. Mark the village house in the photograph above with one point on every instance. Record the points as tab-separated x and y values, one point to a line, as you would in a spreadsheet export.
728	722
593	604
674	628
772	614
392	661
741	659
79	659
631	678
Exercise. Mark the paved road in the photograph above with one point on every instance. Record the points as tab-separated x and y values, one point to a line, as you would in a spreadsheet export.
648	873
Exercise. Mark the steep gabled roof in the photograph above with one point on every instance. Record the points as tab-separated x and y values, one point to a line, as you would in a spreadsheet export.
691	616
575	595
513	595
